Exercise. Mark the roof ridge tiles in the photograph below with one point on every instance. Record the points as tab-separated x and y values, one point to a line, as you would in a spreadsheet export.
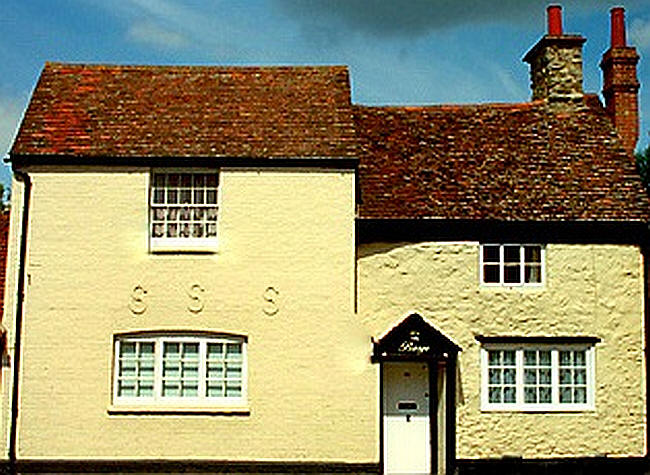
454	107
55	65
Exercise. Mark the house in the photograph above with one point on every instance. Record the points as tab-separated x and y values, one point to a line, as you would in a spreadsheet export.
237	269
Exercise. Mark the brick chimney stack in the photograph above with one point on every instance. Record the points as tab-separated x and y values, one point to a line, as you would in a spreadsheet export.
556	65
620	83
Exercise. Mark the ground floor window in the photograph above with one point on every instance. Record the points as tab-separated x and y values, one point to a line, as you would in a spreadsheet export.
180	369
537	377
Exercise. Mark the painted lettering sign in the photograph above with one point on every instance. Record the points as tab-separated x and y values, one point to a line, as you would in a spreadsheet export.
413	345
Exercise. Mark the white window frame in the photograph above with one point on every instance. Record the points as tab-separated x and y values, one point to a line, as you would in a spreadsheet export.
555	406
157	399
173	244
522	264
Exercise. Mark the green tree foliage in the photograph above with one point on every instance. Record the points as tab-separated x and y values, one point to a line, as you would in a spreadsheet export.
643	166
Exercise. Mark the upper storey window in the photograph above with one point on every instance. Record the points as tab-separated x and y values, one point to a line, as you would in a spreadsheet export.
183	210
512	264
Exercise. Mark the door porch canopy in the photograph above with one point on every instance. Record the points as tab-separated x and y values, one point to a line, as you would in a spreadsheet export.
414	339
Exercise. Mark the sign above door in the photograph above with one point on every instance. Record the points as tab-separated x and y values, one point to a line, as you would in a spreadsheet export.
414	339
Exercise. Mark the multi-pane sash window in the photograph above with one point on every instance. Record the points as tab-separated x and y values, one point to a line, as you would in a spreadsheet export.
135	361
183	209
538	387
512	264
502	376
224	370
180	370
573	377
538	378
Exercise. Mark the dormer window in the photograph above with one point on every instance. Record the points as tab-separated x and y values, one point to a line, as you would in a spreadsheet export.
512	264
183	210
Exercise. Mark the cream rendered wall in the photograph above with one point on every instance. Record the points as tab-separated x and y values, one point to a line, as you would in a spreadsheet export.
594	290
311	388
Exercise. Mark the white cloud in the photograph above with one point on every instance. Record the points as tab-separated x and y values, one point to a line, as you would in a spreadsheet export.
161	23
154	35
640	33
11	110
511	87
198	25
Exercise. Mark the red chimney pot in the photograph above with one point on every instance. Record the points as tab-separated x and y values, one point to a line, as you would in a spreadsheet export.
618	27
554	14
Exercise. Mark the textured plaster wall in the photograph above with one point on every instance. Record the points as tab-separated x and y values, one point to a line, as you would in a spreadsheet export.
593	290
312	392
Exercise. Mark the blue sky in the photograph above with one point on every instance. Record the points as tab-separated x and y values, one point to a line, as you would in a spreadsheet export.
398	52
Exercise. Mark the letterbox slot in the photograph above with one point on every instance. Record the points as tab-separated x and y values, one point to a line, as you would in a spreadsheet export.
407	406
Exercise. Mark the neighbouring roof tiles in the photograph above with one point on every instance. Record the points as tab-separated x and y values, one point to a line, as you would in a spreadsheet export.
495	161
184	111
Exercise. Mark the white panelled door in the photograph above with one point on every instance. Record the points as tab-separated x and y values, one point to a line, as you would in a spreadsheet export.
407	429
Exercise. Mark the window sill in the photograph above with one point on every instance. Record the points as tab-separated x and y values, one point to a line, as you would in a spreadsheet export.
540	410
183	250
179	410
162	246
509	287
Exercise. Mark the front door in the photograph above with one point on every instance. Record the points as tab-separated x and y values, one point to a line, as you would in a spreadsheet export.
407	428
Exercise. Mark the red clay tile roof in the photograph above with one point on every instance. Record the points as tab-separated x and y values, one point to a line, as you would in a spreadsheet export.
168	111
499	161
